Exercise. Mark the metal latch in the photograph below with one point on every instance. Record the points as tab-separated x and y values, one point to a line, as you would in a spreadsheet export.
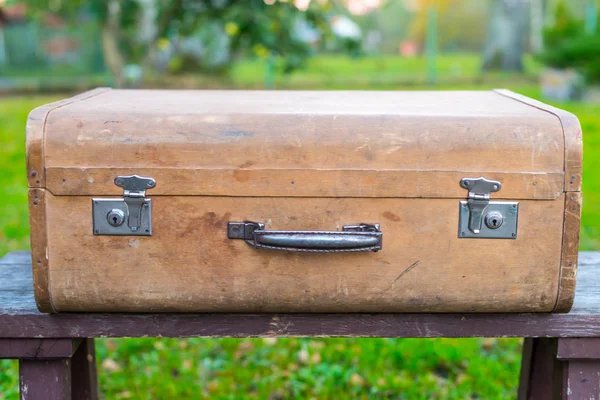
482	218
131	215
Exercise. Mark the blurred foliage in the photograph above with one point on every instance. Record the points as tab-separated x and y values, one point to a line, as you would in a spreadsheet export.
582	54
565	26
569	46
252	28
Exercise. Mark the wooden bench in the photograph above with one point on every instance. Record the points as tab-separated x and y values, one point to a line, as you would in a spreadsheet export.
561	352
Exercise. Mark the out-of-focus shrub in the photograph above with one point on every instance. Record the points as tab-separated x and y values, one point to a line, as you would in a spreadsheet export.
568	46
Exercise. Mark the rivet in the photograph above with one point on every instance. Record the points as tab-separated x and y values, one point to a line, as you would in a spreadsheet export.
95	202
571	182
39	261
572	198
96	231
573	176
37	181
534	183
33	173
514	234
574	208
462	234
35	203
64	180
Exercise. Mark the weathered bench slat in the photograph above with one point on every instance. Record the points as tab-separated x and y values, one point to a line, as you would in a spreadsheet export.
37	349
19	317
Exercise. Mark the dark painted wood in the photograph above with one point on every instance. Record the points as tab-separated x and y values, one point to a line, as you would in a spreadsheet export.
45	379
578	348
20	318
84	379
527	354
38	348
582	380
581	363
299	325
541	373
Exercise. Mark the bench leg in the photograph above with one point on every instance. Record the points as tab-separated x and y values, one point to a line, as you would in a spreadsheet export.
560	368
541	372
581	367
45	379
84	379
54	368
581	378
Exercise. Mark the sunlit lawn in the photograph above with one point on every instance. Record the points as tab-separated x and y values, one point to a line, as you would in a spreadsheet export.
291	368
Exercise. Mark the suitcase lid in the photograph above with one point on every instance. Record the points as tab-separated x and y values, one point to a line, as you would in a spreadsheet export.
302	143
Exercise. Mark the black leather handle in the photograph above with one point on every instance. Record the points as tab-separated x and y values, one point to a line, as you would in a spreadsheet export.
352	238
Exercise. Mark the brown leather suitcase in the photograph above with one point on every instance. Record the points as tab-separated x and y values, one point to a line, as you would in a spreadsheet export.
282	201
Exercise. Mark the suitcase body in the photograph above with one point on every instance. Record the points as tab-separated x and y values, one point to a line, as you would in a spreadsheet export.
233	201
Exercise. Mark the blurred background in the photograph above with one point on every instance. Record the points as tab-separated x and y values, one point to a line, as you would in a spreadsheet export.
50	49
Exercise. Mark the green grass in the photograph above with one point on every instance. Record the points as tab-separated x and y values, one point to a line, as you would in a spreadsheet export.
336	72
14	233
330	72
301	368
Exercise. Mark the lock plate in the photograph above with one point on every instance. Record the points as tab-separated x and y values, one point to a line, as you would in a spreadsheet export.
102	207
507	230
130	215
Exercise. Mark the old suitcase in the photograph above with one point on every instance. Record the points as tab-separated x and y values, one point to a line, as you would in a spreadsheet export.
152	201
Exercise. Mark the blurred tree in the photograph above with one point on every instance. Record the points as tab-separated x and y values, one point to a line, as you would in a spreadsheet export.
262	28
507	32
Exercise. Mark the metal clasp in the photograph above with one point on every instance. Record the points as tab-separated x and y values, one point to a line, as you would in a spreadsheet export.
500	216
479	198
134	195
109	215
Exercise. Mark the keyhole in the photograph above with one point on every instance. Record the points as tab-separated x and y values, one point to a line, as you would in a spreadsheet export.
494	220
115	221
115	217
